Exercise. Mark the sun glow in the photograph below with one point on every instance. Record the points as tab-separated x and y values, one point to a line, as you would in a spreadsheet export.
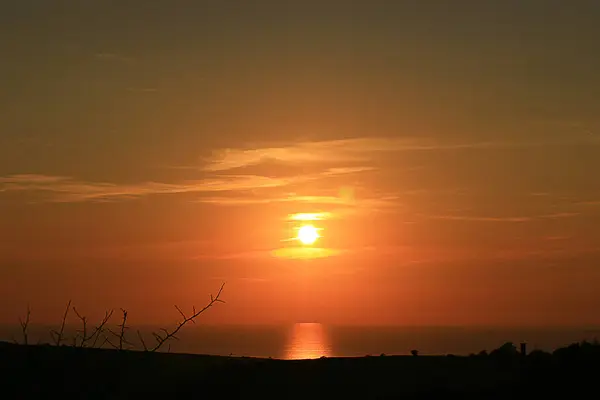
307	234
310	216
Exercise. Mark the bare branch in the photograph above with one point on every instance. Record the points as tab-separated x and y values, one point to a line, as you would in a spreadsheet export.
121	334
83	332
142	340
181	312
100	328
162	339
106	340
25	326
86	336
59	336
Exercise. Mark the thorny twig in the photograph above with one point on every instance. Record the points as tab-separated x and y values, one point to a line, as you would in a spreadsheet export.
84	336
83	331
162	339
100	328
25	325
95	334
121	334
142	340
59	336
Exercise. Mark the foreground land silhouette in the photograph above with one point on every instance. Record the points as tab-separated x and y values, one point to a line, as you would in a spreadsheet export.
80	367
44	371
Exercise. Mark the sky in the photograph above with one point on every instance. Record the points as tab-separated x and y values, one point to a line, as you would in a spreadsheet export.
446	151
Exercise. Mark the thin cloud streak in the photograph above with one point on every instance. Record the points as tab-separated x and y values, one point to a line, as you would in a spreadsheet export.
345	206
320	216
65	189
502	219
31	179
345	150
70	190
305	253
589	203
341	152
352	150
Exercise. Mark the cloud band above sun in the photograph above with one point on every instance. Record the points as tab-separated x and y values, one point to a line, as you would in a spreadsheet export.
223	180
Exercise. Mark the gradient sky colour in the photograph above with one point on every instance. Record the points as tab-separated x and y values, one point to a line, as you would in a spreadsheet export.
448	151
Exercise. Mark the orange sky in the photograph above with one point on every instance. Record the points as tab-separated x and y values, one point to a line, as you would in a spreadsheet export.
148	154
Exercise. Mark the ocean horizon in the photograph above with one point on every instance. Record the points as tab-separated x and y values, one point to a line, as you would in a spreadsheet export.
314	340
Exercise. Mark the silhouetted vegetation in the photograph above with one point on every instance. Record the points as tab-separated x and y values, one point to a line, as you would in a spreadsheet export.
100	335
25	326
83	367
40	371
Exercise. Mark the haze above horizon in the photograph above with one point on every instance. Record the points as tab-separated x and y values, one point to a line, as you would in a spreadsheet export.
351	163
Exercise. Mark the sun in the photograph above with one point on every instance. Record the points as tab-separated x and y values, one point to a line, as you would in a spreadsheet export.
307	234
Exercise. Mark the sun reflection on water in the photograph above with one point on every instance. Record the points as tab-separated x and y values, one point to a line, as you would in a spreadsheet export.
307	340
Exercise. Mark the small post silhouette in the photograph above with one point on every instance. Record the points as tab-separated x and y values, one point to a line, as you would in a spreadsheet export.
523	349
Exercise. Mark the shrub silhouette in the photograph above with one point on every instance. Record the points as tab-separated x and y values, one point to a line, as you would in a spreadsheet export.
507	350
100	335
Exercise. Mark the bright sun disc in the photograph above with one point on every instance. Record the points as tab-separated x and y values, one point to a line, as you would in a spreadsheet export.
308	234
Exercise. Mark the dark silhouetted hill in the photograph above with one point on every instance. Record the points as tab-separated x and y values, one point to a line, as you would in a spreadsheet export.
67	372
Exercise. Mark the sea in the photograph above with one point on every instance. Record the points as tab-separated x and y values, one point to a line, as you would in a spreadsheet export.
315	340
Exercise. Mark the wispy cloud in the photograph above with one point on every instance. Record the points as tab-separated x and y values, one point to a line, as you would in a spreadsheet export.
589	203
341	206
554	238
305	253
65	189
332	151
223	172
29	179
502	219
320	216
350	150
251	254
308	252
374	202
